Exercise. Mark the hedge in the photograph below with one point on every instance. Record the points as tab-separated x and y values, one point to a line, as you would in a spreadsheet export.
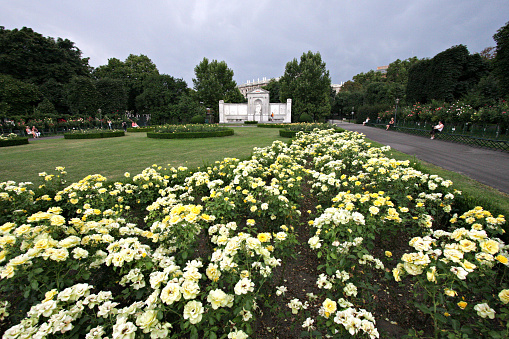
250	122
140	129
14	142
94	135
186	135
272	125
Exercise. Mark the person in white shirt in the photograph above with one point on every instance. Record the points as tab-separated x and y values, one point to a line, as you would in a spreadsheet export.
437	129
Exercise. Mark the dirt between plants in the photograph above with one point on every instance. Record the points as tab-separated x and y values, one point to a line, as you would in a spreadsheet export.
389	305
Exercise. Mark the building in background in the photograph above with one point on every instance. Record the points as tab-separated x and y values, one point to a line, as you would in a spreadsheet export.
382	69
250	86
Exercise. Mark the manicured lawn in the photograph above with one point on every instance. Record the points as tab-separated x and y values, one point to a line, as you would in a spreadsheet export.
113	157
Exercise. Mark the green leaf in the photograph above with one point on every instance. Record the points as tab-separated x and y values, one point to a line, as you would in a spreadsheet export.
329	270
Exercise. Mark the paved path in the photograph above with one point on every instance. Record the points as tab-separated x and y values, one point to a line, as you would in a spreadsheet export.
486	166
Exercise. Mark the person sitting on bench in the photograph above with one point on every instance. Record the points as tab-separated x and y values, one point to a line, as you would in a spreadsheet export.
390	124
437	129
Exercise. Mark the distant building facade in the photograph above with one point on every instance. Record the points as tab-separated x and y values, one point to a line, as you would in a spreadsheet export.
250	86
382	69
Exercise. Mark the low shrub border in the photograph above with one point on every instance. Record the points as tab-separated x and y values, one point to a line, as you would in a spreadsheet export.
248	122
140	129
13	142
94	135
186	135
272	125
285	133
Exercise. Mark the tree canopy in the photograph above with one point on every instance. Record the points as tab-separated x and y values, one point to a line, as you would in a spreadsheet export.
214	82
448	76
308	84
30	57
501	60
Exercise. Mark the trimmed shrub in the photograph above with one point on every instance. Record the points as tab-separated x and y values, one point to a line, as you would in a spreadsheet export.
198	119
94	135
251	122
140	129
272	125
13	142
304	117
287	133
190	135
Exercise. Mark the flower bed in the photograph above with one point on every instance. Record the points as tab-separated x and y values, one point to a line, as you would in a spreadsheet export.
12	140
190	131
93	134
174	252
291	130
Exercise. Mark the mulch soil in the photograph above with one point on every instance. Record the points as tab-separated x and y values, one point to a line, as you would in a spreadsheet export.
394	315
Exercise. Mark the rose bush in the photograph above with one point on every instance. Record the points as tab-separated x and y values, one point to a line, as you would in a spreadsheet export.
178	252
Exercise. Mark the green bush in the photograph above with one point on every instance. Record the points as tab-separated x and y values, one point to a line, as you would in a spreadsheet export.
190	135
304	117
272	125
93	134
251	122
287	133
140	129
198	119
13	142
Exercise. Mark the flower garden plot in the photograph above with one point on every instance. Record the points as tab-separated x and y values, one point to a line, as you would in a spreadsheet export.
190	131
172	253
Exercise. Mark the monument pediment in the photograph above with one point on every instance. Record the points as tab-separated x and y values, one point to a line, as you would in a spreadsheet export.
259	91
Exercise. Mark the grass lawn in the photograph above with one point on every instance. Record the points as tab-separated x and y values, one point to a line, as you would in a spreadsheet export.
112	157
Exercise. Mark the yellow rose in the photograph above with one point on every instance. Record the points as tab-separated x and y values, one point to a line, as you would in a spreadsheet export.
329	307
147	320
504	296
502	259
264	237
450	293
462	305
489	246
7	272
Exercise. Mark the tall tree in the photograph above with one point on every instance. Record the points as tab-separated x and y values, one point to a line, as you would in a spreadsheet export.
111	95
214	82
501	61
448	76
273	87
161	93
28	56
82	96
308	84
133	71
16	96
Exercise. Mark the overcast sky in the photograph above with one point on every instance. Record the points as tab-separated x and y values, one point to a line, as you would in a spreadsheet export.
257	38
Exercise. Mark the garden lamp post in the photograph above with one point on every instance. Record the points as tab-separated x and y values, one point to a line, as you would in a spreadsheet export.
396	113
352	111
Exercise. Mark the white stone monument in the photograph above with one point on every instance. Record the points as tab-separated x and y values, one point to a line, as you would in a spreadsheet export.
258	108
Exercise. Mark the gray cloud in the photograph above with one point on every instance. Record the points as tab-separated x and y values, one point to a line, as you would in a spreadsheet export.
257	39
